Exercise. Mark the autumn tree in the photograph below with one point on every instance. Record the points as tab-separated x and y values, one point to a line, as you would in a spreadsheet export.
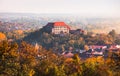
86	47
113	62
9	59
2	36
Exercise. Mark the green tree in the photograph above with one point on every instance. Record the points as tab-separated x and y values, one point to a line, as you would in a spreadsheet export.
113	34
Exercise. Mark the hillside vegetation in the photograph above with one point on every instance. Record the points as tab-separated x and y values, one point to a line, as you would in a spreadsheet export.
25	60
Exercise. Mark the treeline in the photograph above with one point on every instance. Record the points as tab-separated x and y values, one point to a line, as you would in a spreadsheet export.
26	60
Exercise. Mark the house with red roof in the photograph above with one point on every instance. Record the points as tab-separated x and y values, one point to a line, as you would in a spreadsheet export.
67	54
97	47
57	28
113	47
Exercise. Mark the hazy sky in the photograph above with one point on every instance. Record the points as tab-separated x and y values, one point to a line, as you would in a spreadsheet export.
81	7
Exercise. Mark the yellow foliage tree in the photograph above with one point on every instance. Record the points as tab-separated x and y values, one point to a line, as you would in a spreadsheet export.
20	32
86	47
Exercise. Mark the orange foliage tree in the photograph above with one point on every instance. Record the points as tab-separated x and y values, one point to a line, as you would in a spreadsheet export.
2	36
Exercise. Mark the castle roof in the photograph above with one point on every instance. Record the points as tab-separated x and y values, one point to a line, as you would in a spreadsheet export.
59	24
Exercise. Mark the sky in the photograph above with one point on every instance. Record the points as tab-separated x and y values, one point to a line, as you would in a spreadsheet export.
80	7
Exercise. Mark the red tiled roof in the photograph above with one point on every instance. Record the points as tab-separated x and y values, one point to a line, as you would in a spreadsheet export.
96	46
61	24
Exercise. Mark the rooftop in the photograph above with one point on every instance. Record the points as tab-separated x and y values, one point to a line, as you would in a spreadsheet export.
59	24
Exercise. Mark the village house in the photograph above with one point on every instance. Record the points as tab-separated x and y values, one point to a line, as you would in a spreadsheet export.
67	54
97	47
112	47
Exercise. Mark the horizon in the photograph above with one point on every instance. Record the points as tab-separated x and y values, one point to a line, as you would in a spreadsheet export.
55	15
92	8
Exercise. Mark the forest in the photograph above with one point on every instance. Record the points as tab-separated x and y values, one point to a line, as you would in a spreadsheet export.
25	60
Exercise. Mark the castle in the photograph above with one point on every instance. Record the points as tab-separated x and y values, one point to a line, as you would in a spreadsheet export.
61	28
57	28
